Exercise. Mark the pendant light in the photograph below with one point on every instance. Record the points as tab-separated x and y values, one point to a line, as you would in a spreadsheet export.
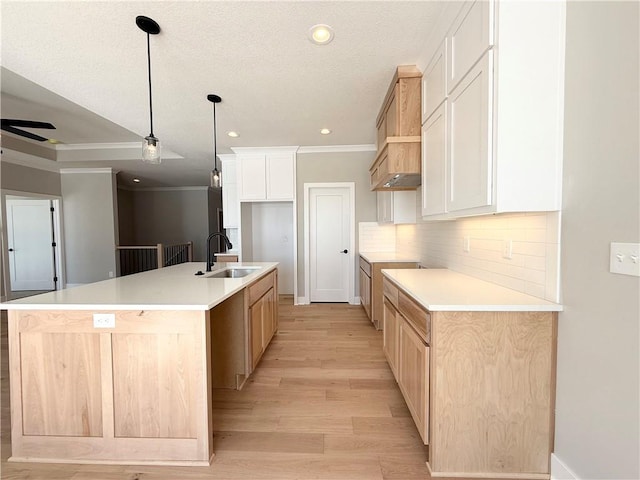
216	176
151	148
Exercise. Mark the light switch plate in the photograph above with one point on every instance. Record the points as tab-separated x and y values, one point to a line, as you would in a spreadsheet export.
507	249
104	320
466	244
624	259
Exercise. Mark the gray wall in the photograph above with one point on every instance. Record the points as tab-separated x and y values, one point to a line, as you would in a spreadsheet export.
172	216
597	407
126	229
26	179
90	226
334	167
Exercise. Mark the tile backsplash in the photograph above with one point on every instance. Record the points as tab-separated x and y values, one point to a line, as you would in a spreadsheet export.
374	237
535	237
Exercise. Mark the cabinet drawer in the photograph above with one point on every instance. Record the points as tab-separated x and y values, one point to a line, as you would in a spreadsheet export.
390	291
259	288
419	318
366	266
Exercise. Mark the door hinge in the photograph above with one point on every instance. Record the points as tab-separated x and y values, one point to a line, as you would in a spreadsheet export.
53	244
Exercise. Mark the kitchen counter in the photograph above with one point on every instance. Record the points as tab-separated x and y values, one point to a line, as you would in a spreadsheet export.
170	288
374	257
446	290
122	371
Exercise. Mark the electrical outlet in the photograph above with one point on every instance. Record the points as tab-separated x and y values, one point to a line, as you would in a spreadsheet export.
507	249
466	244
104	320
624	259
110	274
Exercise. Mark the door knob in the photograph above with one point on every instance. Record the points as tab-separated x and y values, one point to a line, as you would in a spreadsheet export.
11	249
345	251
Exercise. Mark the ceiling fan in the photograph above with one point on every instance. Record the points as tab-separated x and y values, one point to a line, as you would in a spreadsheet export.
16	126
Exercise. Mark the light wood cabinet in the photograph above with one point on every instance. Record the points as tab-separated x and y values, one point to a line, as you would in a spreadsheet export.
397	164
396	207
372	286
413	376
480	385
503	144
390	334
266	176
262	315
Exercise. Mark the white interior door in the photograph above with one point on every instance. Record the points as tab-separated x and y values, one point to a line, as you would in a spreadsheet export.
30	237
329	244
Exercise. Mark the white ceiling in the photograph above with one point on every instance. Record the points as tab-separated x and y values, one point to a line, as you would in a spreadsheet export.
82	66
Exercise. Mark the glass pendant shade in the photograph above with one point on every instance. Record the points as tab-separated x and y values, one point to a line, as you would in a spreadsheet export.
216	178
151	150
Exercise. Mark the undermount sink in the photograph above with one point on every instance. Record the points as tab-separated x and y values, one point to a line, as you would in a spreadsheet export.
233	272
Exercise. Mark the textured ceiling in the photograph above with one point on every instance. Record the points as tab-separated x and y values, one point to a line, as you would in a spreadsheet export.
82	66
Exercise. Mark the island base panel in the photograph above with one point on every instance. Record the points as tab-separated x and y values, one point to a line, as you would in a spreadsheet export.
137	393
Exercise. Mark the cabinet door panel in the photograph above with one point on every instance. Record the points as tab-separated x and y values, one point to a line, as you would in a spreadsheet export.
434	82
413	377
470	36
390	335
255	318
252	177
230	205
434	163
470	145
154	385
61	397
280	176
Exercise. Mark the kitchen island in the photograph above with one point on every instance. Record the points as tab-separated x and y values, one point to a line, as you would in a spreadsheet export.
122	371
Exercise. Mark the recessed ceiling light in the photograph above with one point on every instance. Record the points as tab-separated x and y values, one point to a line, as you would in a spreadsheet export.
136	180
321	34
325	131
233	134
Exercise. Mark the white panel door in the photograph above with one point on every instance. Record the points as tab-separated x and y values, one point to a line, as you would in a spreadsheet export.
30	237
470	142
329	241
252	177
434	163
280	176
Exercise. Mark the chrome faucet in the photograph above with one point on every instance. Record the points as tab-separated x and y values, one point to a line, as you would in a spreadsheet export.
226	241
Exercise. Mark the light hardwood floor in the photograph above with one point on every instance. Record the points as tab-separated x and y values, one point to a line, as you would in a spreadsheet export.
322	404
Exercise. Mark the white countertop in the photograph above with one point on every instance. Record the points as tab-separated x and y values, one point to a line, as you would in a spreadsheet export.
169	288
373	257
445	290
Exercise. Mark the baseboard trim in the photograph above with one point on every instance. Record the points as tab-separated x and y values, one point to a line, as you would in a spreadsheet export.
559	471
302	301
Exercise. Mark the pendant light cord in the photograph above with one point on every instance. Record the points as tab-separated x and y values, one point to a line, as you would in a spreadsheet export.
215	141
149	69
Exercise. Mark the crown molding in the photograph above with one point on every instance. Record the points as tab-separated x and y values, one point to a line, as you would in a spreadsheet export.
88	170
168	189
287	149
338	148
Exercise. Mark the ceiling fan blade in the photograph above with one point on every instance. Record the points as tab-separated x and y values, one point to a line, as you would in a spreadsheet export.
26	124
9	125
23	133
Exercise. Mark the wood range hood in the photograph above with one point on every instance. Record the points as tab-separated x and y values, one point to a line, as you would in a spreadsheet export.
397	164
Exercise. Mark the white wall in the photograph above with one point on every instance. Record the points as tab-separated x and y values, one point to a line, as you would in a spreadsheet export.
271	238
597	420
90	224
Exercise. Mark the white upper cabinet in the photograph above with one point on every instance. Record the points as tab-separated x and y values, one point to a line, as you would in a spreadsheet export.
268	176
502	113
280	176
230	203
434	163
469	115
469	37
434	82
397	207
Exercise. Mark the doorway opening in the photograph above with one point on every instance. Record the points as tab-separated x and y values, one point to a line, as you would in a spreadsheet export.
32	244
